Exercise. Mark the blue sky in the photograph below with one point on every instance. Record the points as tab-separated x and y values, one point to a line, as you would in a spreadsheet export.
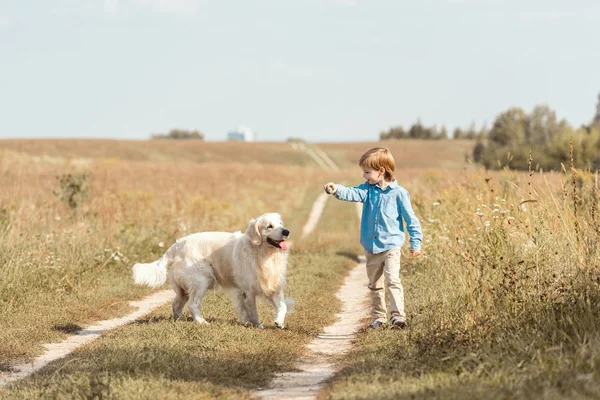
324	70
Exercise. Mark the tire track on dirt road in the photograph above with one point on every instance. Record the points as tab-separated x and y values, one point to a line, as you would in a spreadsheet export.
55	351
318	365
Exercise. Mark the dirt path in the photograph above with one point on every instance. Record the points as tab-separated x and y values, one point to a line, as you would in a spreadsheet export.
317	366
315	214
54	351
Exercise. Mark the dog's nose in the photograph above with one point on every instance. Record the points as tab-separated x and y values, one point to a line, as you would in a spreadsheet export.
286	232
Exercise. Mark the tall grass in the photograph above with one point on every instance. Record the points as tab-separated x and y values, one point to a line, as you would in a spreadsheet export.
61	263
505	302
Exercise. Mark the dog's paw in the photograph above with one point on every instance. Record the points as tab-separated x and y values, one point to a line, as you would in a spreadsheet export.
259	326
202	321
279	325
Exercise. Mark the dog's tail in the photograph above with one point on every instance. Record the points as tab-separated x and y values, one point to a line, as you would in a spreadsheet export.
290	303
151	274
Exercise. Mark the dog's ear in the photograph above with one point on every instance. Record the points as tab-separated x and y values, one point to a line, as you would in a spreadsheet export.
253	232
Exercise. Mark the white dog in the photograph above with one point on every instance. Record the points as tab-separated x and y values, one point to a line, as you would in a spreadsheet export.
245	265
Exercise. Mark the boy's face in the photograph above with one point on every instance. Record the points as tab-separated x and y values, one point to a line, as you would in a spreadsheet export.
373	176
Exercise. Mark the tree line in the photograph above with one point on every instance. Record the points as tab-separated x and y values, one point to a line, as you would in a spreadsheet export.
515	133
420	131
180	134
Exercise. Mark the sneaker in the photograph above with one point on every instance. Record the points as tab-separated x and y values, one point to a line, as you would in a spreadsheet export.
399	322
375	324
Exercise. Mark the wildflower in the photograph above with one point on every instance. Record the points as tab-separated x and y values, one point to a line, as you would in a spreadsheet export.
479	213
486	223
435	204
161	244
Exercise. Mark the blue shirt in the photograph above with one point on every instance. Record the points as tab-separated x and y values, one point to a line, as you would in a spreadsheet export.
381	226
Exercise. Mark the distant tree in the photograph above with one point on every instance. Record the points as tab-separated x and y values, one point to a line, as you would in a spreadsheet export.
395	132
443	133
515	133
483	132
180	134
416	131
471	132
541	125
458	133
478	151
509	127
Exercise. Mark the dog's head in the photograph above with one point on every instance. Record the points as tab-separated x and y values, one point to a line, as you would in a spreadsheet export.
268	228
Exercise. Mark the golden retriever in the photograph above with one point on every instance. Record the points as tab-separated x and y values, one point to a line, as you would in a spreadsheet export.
245	265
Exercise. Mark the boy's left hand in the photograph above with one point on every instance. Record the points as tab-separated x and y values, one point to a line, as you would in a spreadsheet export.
415	253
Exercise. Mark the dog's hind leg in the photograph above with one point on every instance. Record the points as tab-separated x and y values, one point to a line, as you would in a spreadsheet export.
196	293
181	297
281	308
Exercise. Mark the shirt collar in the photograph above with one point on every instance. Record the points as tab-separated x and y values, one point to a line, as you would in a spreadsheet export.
392	185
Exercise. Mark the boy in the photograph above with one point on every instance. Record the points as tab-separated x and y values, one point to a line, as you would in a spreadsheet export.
385	206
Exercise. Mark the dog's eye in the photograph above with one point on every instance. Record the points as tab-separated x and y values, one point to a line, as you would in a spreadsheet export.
270	226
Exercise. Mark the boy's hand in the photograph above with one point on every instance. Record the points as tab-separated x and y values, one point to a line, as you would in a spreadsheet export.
415	253
330	188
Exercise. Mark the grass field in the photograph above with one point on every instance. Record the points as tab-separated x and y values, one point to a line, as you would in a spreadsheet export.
504	304
62	267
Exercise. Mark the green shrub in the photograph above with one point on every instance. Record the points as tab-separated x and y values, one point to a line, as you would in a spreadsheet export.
73	189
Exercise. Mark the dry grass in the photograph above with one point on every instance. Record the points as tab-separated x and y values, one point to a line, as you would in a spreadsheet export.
161	358
408	154
62	268
506	302
83	150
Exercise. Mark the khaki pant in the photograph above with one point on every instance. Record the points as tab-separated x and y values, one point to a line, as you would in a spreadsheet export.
385	267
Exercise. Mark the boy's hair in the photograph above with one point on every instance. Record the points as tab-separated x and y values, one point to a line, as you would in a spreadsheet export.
377	158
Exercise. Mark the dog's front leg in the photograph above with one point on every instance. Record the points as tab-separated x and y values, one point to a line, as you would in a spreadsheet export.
281	308
250	302
239	299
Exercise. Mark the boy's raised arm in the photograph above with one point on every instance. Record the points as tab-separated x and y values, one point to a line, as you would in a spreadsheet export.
356	193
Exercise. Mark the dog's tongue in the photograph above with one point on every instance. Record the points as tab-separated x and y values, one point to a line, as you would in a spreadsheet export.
283	245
